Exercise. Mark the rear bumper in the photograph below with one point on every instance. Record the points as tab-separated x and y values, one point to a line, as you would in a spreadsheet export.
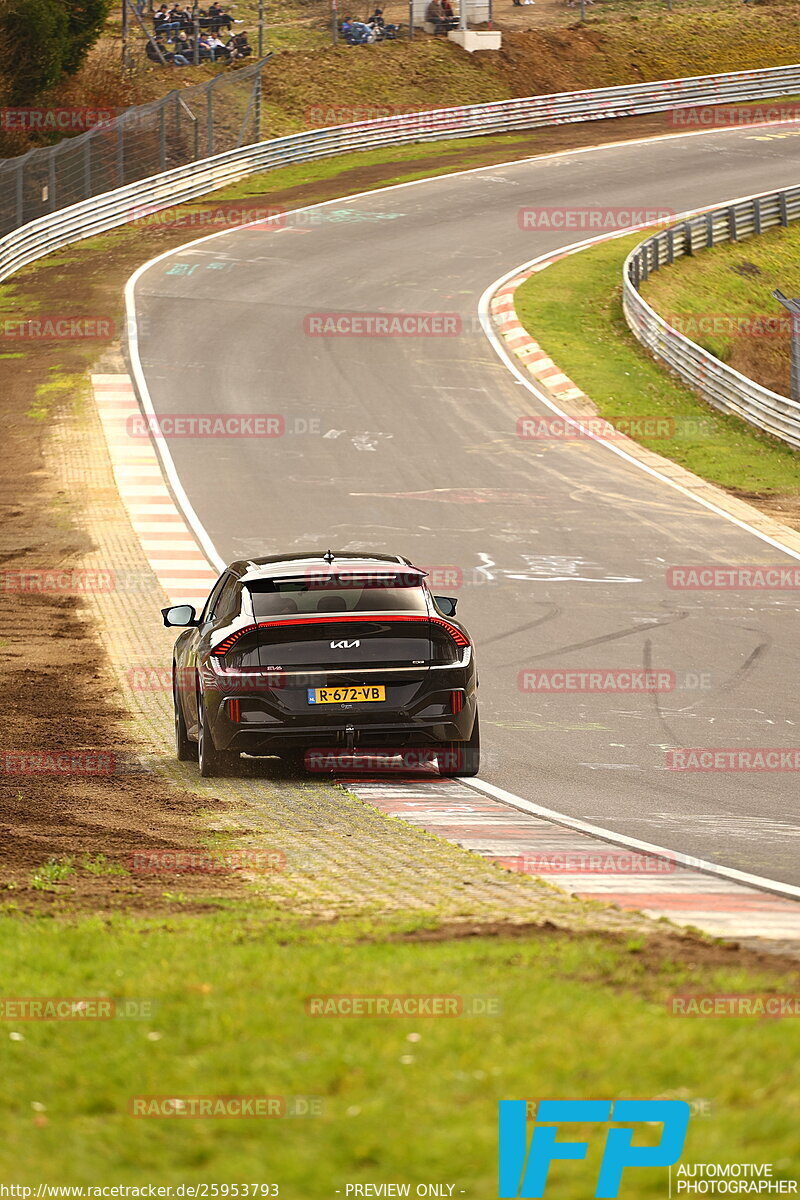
275	738
274	720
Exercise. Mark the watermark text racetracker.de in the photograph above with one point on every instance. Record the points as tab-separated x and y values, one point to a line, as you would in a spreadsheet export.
737	758
771	1005
51	119
240	1107
61	762
732	577
75	1008
220	425
615	428
382	324
591	219
612	680
56	327
402	1005
200	862
726	116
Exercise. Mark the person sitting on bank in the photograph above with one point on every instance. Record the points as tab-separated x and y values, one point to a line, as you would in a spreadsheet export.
154	45
451	21
239	46
434	14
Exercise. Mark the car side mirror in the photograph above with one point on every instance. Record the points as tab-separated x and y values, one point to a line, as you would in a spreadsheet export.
447	605
179	615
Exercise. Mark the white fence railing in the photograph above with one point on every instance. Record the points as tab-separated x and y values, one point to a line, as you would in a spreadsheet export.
110	209
716	382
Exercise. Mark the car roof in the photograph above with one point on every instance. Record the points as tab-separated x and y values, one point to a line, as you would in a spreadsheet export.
286	565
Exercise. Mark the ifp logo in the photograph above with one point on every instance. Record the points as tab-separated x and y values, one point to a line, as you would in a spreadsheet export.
524	1169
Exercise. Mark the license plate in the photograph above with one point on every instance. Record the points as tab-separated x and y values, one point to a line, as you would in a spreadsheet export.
375	694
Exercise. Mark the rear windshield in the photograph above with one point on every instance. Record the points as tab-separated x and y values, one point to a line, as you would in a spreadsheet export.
285	597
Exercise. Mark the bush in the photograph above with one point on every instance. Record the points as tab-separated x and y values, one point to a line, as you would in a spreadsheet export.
86	19
34	35
44	40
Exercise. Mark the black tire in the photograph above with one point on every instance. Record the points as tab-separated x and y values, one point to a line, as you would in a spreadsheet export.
185	748
295	759
462	760
212	762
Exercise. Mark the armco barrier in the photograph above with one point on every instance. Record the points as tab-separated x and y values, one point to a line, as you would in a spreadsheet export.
110	209
717	383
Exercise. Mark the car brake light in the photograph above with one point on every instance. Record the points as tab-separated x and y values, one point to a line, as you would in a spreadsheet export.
456	701
458	636
235	709
222	649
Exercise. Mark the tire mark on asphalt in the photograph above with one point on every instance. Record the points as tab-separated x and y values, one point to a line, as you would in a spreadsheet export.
598	641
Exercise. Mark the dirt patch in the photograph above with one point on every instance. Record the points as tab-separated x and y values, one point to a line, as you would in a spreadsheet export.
659	948
56	695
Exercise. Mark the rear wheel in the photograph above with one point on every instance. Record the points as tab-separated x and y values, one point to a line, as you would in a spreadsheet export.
295	759
185	749
212	761
460	760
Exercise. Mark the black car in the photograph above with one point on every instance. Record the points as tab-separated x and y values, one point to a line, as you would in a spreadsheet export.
296	655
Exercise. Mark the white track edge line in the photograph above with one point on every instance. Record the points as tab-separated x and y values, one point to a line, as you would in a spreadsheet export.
621	839
485	317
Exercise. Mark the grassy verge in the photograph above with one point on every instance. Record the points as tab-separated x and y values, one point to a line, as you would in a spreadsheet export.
408	1099
726	294
574	310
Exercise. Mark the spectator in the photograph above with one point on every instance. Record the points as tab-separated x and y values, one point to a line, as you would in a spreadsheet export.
434	14
219	18
154	44
451	21
239	46
376	21
164	21
184	46
219	51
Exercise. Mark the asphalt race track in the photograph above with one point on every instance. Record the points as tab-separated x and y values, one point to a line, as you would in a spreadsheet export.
408	444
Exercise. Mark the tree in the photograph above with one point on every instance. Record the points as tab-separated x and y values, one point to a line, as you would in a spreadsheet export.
85	22
34	35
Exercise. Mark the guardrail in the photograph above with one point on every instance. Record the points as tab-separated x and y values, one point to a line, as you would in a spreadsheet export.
716	382
112	208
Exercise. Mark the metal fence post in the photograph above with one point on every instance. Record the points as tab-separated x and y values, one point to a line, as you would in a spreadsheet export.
209	119
20	185
196	28
162	135
783	209
51	180
732	223
120	152
87	166
177	115
410	19
793	308
688	247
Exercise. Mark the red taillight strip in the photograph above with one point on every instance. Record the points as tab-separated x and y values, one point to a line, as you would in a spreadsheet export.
455	633
224	646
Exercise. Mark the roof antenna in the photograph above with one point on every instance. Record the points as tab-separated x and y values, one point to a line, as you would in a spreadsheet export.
329	556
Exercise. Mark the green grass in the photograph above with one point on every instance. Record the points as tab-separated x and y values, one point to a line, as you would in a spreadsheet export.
47	877
574	311
404	1099
736	279
98	864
